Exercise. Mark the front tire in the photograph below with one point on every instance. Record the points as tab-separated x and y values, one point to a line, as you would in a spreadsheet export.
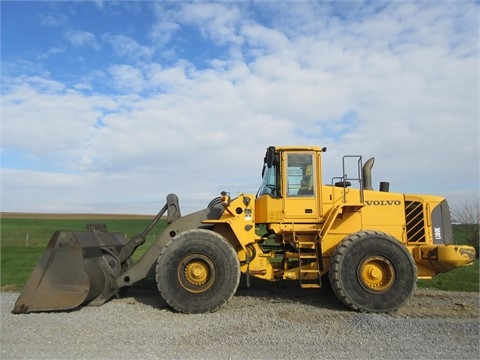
197	271
371	271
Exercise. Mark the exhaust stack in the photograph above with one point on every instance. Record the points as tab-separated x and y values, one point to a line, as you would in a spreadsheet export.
367	174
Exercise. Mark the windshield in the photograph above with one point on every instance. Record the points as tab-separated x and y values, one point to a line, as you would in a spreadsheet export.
269	182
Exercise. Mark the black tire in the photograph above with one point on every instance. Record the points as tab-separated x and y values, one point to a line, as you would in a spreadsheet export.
214	202
197	271
371	271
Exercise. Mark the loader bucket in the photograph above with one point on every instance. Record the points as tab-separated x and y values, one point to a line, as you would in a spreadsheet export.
77	268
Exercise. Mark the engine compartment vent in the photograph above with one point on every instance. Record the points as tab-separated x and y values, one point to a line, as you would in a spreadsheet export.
415	221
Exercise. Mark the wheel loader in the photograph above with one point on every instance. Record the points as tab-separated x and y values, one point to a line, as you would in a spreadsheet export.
370	245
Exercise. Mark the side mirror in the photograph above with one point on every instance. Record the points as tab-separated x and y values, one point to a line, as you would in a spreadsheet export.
270	156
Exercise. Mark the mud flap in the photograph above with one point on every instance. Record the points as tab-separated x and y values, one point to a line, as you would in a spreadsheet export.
77	268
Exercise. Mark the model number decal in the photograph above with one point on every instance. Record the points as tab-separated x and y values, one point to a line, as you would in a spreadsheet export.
383	202
437	233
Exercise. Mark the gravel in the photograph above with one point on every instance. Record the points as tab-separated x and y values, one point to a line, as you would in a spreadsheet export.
266	321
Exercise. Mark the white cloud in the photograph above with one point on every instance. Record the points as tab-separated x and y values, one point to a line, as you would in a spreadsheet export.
50	52
398	82
162	30
82	38
127	47
127	78
53	19
217	22
43	120
262	40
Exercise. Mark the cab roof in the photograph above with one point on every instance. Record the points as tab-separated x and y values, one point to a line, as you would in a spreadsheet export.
299	148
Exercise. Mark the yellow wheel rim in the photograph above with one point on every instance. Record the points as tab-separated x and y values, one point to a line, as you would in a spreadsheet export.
196	273
377	274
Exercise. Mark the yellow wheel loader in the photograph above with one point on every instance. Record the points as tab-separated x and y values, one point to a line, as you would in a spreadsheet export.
370	245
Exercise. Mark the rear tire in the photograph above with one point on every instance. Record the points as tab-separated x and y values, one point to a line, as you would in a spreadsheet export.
371	271
197	271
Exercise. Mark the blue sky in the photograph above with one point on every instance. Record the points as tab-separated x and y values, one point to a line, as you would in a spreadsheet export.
109	106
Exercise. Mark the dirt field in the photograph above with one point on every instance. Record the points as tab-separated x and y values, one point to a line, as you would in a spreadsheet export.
265	321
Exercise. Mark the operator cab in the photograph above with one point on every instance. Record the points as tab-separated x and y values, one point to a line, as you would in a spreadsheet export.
290	185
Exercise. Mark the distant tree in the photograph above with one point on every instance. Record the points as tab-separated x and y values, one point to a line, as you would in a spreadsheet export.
466	213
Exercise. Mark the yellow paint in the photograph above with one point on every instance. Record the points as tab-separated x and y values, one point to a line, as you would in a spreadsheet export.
325	215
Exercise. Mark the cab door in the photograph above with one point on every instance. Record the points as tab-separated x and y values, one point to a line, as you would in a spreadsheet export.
300	184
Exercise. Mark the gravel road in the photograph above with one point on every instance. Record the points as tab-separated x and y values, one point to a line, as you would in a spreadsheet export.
266	321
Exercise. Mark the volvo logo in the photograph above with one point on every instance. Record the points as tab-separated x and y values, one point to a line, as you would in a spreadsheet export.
383	202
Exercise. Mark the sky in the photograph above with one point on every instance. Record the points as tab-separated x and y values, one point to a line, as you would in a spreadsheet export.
107	107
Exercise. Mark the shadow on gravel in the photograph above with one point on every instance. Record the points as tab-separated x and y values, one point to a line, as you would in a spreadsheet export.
424	303
290	291
146	292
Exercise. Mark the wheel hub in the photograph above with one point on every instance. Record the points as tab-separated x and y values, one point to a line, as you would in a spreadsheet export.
196	273
376	274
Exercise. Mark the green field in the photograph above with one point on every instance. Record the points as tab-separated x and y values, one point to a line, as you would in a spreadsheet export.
23	242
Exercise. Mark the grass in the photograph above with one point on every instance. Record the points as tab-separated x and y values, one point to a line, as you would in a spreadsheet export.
17	265
37	232
460	279
23	242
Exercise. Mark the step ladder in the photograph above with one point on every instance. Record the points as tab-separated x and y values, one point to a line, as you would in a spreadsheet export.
308	250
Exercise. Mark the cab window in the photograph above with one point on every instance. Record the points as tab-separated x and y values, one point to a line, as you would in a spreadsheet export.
300	175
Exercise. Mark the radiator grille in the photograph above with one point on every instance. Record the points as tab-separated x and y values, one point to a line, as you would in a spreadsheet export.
415	221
